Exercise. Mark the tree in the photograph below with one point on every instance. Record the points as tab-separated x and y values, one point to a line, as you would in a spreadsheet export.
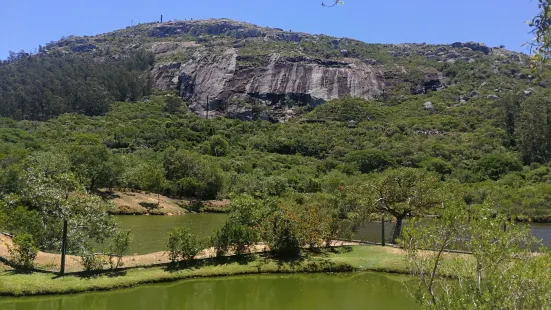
119	245
367	161
192	175
403	192
52	191
541	28
501	273
218	146
495	165
24	251
182	244
535	129
93	163
243	227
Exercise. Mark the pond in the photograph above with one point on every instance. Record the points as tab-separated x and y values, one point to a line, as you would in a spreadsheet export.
297	291
372	232
150	233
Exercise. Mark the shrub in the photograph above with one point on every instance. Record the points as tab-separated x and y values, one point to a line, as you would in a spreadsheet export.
367	161
243	226
119	245
282	232
24	251
495	165
182	245
92	262
292	227
437	165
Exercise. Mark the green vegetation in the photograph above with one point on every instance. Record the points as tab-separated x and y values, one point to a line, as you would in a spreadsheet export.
502	271
358	258
23	252
182	245
38	88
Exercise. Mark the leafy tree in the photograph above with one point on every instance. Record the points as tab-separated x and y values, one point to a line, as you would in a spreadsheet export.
52	192
367	161
403	192
24	251
182	245
192	175
243	227
502	272
119	245
496	165
437	165
172	103
535	129
93	163
218	146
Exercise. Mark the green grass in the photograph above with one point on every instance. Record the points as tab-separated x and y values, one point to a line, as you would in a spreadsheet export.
361	258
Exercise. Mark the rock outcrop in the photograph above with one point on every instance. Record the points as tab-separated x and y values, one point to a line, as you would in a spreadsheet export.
248	72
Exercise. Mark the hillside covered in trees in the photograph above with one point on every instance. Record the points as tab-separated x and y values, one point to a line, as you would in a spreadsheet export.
128	110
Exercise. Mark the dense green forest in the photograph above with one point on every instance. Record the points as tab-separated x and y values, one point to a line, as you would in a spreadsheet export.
491	149
38	87
75	123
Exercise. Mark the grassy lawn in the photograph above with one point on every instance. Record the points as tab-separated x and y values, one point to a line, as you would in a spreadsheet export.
359	258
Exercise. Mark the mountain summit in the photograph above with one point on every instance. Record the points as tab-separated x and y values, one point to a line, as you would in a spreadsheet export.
246	71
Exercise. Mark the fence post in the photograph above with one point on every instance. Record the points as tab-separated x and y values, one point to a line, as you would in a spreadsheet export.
383	230
63	248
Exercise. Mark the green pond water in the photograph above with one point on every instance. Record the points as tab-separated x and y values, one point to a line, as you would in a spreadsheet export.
150	233
266	292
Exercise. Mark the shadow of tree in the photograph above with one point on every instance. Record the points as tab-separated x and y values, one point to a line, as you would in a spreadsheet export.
149	205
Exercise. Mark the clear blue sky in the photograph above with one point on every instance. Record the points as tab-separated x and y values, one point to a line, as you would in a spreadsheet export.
24	24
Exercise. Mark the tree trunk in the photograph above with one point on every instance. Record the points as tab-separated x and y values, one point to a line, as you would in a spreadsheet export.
397	228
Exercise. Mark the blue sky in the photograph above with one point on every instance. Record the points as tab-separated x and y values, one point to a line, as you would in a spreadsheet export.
24	24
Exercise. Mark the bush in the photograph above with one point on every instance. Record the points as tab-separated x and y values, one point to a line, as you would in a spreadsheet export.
92	262
437	165
367	161
243	226
119	245
282	232
24	251
291	227
495	165
182	245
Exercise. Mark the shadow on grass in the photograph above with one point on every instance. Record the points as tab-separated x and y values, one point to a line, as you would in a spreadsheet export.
149	205
94	274
107	195
244	259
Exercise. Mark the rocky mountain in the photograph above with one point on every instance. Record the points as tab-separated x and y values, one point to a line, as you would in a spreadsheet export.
246	71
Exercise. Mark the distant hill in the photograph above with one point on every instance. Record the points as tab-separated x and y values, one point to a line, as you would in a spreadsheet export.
246	71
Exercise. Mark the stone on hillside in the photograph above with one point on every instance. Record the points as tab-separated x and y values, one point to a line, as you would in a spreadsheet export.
493	97
474	94
428	106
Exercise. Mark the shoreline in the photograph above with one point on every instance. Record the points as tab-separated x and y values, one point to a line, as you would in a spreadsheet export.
344	259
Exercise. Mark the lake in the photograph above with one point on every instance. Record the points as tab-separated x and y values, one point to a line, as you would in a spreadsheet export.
266	292
150	232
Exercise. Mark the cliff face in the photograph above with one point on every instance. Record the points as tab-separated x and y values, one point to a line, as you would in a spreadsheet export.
248	72
281	83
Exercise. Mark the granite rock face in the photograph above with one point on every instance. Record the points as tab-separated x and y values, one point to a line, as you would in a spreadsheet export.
250	72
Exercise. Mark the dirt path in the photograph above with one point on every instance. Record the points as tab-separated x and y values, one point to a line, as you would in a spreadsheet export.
52	262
